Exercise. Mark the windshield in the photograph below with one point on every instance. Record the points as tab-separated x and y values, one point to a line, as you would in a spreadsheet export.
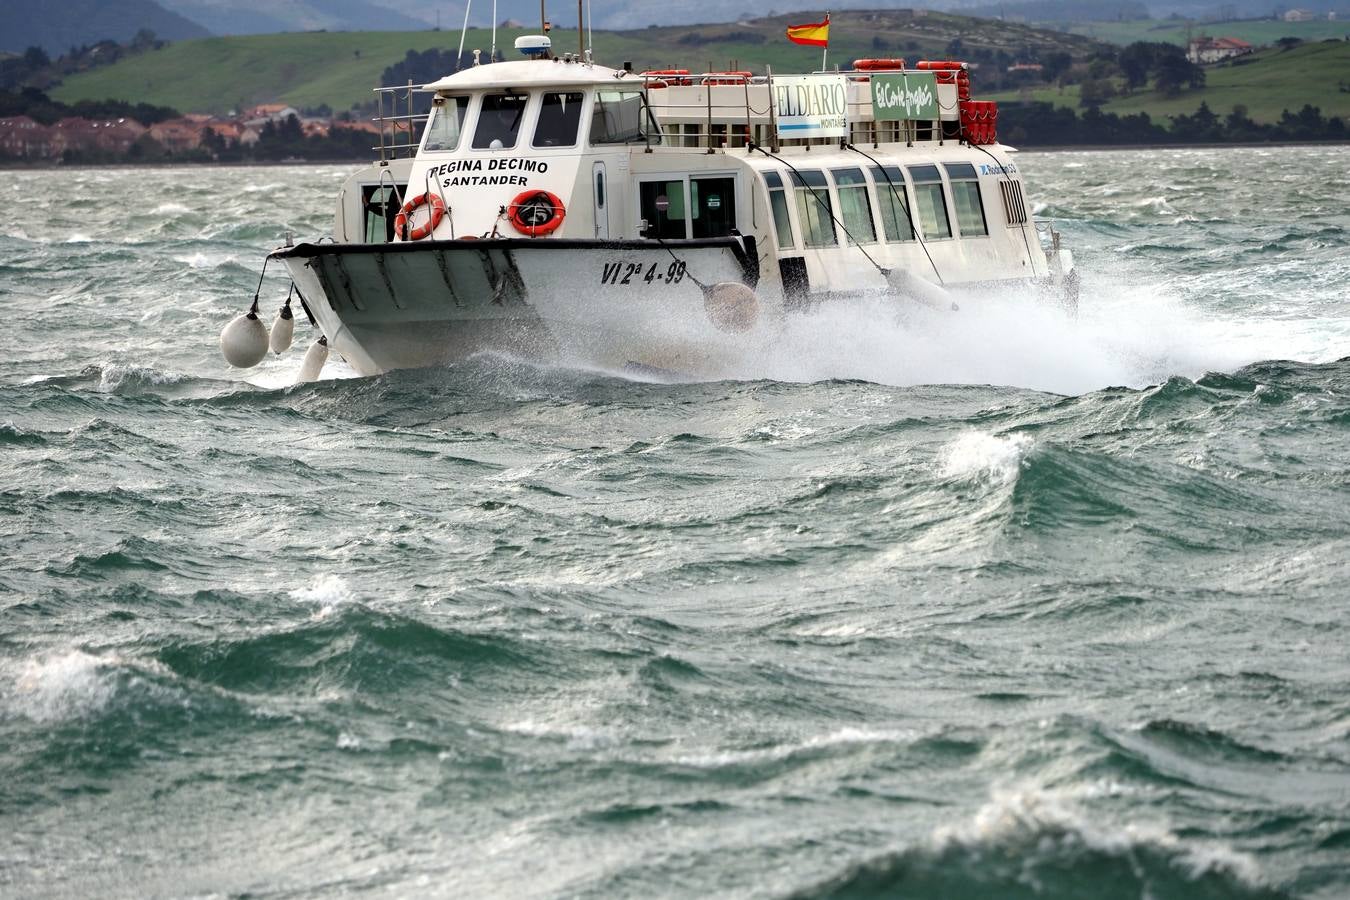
447	119
621	117
499	121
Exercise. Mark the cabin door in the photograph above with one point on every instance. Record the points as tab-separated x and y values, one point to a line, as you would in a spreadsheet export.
685	206
600	194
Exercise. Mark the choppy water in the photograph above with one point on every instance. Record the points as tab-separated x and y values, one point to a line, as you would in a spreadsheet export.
998	605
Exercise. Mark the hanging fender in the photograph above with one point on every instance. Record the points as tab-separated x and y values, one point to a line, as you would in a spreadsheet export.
435	204
536	213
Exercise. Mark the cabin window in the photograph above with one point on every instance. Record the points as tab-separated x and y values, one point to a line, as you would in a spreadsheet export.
663	207
621	117
712	206
447	120
559	119
814	209
854	209
893	201
499	121
930	203
966	199
778	201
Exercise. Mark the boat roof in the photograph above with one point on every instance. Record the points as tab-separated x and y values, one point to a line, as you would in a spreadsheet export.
532	73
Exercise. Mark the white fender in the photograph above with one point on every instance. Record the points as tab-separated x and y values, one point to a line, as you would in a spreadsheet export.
312	365
921	290
283	330
731	306
243	342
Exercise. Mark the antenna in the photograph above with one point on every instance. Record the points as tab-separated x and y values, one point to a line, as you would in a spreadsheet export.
590	32
462	32
492	57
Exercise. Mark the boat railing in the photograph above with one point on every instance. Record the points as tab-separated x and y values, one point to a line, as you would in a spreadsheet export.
399	128
731	109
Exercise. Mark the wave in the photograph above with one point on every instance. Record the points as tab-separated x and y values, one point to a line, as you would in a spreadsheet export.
1036	843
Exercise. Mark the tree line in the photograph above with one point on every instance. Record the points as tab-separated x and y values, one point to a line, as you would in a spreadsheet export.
1044	124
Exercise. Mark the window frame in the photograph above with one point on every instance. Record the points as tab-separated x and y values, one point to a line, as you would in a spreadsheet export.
781	191
653	136
860	185
538	118
964	180
526	117
437	105
882	186
804	191
685	178
941	194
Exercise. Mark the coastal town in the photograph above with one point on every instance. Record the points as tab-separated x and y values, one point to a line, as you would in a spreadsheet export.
193	135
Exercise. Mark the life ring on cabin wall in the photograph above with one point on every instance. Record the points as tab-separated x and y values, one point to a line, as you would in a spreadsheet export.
436	207
536	213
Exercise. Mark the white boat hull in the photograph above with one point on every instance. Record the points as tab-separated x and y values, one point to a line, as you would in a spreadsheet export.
409	305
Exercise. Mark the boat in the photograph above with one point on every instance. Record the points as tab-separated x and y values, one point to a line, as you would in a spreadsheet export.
550	206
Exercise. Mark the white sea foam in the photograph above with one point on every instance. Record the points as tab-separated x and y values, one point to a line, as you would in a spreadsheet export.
987	456
59	686
1047	822
1122	336
848	735
326	592
114	375
577	737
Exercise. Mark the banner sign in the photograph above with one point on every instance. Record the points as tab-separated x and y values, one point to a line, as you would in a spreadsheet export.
811	106
909	96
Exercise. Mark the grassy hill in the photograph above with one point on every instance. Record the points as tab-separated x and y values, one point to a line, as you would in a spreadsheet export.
340	68
1174	31
1267	83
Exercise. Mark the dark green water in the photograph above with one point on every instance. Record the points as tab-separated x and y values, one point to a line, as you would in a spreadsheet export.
998	605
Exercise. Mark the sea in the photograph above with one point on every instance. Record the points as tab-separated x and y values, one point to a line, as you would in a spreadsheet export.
999	603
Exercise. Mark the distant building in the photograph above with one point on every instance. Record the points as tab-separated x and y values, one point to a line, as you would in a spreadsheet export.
1300	15
109	135
1029	68
178	135
1205	50
24	138
260	115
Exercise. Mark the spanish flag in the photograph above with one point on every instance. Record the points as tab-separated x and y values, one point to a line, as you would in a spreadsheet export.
816	34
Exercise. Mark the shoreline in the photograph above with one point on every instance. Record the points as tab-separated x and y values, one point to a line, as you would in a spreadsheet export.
43	165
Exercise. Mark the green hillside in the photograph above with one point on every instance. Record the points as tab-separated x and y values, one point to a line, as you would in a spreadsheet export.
1256	32
340	68
1267	83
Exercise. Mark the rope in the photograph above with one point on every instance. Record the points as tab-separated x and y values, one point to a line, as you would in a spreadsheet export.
258	290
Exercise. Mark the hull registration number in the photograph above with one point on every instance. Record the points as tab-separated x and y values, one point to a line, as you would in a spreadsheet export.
636	273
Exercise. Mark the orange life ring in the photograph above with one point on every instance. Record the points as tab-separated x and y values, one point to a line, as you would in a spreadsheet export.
437	212
536	213
871	65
